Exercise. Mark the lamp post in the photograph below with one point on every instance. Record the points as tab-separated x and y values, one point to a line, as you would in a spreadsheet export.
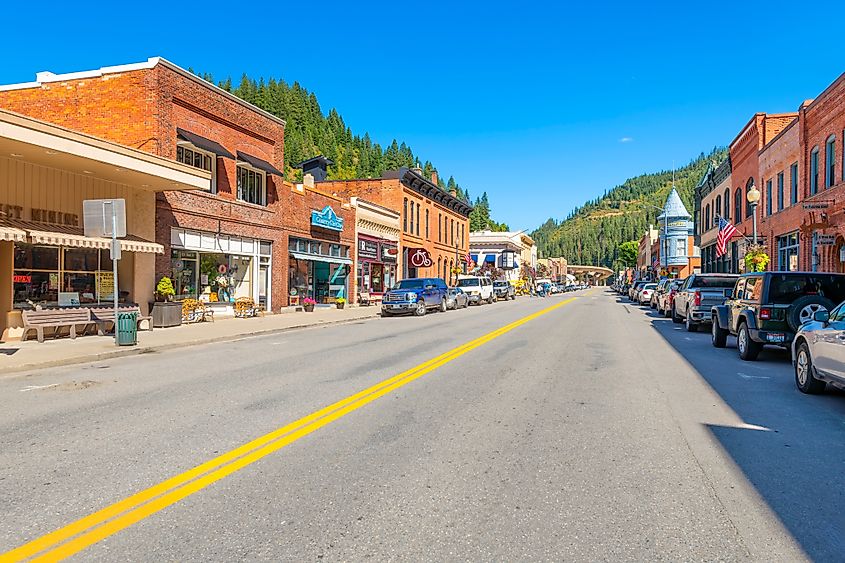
753	197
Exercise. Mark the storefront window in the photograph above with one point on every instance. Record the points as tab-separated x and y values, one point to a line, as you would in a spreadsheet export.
42	273
788	252
211	276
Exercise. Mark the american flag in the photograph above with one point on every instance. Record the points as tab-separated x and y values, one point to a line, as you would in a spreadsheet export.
468	260
726	232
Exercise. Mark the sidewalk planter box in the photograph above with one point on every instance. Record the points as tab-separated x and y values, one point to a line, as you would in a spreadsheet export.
166	314
308	308
340	305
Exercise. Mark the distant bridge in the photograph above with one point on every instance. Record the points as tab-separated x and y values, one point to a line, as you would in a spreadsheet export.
595	273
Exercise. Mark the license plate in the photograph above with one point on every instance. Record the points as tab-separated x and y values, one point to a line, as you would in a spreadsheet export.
776	337
396	306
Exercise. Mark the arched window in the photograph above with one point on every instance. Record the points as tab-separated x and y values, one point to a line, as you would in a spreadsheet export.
748	208
718	209
707	219
830	161
405	215
738	205
727	204
814	171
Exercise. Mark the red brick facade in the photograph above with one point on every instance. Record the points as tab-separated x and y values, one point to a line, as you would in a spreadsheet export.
143	105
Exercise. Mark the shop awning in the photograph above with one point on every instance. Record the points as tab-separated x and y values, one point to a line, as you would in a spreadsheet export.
70	235
329	259
260	164
11	233
203	143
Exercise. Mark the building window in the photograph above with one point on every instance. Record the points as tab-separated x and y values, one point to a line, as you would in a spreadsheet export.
788	249
439	227
768	197
793	183
405	215
718	209
251	185
814	171
418	219
681	247
453	232
412	218
780	191
727	203
426	223
830	161
187	154
707	223
738	205
748	208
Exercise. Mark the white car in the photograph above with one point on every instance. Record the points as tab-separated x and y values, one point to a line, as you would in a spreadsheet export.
646	292
479	289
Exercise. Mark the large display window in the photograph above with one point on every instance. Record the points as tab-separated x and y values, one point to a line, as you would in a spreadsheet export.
42	272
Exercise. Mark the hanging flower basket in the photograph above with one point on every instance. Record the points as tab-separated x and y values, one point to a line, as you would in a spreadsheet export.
756	259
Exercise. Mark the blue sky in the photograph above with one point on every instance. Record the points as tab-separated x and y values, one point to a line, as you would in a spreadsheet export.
541	105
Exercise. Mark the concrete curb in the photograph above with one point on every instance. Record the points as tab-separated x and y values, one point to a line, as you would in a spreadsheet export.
137	351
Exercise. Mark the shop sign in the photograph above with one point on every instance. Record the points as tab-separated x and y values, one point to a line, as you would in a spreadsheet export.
816	205
367	248
327	219
826	240
389	252
105	285
419	258
22	279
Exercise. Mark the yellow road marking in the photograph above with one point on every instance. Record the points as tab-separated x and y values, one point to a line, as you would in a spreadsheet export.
122	514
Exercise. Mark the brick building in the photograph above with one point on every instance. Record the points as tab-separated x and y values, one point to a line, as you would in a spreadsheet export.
249	233
434	236
714	199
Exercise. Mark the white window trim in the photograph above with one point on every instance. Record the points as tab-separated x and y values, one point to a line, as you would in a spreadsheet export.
188	145
246	165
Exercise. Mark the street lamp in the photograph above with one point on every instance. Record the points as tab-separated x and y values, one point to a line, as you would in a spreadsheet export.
753	197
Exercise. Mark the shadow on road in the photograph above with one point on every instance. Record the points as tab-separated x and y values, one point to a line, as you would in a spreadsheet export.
797	464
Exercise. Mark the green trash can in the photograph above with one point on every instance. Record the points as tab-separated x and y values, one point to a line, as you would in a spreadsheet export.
127	329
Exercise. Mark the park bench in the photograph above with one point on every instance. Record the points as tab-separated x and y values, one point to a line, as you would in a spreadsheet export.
57	319
104	316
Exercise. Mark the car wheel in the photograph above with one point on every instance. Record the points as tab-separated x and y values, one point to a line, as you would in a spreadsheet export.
803	309
718	335
804	378
748	349
420	310
675	317
386	314
442	305
689	323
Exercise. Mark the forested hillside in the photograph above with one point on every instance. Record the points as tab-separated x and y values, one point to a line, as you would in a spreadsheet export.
592	232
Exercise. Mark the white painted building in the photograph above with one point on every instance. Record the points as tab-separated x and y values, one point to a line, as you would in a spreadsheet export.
505	250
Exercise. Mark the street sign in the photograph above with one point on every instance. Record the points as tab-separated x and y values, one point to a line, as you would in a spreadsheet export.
826	240
104	217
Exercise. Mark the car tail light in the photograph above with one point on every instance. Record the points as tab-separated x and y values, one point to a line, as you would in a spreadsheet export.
765	313
697	300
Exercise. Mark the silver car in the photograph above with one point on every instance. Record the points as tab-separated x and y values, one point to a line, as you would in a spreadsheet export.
456	298
818	351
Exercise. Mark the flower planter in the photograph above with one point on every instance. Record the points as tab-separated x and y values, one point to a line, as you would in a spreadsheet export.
166	314
340	305
309	308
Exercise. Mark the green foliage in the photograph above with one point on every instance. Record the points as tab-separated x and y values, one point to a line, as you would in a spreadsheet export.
592	234
756	259
164	288
628	252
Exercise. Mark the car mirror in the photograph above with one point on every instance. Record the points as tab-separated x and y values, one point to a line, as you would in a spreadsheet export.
729	293
821	317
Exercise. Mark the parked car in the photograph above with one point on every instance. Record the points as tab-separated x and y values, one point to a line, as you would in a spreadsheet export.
504	290
645	293
479	289
415	295
697	296
771	307
634	290
818	352
666	300
456	298
662	287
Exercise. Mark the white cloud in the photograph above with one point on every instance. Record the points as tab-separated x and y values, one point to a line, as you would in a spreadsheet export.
626	140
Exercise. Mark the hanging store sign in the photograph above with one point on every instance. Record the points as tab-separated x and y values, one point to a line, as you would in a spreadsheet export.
419	258
367	249
389	252
826	240
816	205
327	219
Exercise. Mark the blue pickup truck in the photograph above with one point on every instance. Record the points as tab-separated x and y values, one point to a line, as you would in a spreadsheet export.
415	295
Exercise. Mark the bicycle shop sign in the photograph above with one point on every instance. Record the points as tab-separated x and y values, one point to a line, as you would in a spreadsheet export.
327	219
419	258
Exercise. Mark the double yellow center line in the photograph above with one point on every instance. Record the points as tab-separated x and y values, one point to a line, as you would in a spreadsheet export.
89	530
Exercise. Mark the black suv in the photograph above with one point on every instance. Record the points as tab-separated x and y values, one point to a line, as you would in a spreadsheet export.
770	307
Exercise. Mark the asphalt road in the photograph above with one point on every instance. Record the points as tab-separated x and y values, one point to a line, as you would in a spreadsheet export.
595	431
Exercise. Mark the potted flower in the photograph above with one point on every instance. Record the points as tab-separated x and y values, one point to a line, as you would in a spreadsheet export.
340	302
164	310
308	304
756	259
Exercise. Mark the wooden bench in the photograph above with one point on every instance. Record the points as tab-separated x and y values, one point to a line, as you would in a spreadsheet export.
56	319
104	315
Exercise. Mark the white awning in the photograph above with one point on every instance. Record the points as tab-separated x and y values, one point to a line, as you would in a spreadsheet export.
11	233
316	258
70	235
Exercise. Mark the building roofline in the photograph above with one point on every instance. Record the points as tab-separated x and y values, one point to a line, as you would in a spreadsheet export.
46	77
779	135
824	92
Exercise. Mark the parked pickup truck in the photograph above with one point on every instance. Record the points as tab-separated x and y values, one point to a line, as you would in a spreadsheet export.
697	296
415	295
770	307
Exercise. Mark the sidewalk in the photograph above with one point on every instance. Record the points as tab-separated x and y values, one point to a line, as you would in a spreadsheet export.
21	356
